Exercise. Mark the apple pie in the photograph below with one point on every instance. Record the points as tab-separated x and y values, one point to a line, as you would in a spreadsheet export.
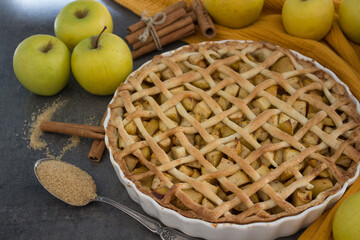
234	132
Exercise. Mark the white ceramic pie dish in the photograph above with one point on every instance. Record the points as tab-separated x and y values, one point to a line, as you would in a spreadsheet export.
198	228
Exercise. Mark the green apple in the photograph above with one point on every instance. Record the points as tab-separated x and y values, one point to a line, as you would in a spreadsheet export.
310	19
81	19
101	63
349	13
42	64
234	13
347	218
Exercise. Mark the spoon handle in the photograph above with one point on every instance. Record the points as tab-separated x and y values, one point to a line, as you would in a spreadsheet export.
154	226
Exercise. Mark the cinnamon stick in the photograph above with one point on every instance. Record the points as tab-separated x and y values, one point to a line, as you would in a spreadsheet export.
98	146
97	150
73	129
207	26
176	35
172	17
167	11
188	8
192	15
165	31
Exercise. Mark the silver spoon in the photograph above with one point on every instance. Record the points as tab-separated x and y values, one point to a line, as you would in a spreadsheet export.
165	233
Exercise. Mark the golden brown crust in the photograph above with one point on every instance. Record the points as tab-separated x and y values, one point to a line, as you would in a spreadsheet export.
292	109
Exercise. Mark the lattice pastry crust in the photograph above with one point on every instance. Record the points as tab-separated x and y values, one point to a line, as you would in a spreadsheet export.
234	132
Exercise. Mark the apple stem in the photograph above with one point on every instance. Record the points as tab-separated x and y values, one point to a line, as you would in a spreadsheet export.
47	47
95	40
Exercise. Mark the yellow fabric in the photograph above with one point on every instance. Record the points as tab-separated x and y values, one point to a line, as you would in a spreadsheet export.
334	52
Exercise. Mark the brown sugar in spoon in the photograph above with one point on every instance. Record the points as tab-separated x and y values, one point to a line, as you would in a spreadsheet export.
76	187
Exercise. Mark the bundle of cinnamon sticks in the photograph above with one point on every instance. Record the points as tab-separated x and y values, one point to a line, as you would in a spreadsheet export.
179	23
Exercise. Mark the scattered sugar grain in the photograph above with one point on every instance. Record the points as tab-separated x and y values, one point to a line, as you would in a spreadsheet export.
67	182
72	142
35	132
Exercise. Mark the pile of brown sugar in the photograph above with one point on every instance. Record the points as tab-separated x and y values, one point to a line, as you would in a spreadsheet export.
46	114
35	134
67	182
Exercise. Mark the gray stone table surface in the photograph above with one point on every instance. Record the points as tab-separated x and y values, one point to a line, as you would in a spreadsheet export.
27	211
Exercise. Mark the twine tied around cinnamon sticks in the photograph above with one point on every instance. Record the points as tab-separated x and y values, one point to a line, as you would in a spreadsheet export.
158	19
145	36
